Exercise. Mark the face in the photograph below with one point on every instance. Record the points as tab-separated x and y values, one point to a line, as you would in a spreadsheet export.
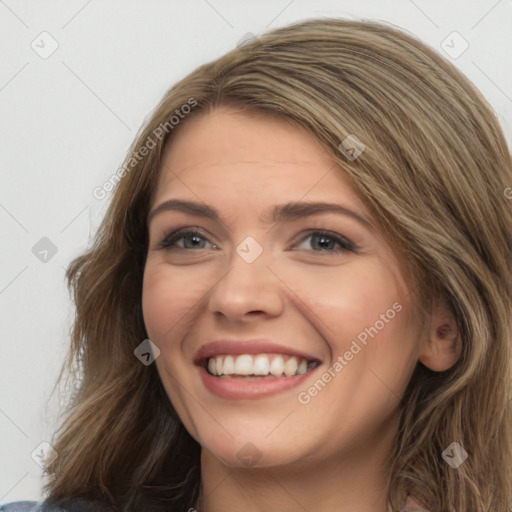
306	314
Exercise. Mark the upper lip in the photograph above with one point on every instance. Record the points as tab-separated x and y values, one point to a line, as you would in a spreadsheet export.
252	346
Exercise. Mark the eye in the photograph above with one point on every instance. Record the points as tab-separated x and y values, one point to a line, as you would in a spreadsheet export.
192	239
326	241
321	241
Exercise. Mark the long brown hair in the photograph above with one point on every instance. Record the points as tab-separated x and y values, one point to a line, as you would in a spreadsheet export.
433	174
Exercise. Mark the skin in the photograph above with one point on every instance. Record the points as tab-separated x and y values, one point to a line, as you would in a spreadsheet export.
340	443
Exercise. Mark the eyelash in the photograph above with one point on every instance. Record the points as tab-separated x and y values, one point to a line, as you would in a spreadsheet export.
170	240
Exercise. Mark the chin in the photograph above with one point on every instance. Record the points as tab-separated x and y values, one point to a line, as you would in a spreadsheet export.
241	452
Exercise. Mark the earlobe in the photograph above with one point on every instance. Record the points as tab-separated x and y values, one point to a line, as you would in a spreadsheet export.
443	346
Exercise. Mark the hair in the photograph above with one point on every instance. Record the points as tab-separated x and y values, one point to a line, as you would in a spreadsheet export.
432	174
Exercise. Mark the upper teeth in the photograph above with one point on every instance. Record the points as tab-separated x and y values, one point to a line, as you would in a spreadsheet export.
260	364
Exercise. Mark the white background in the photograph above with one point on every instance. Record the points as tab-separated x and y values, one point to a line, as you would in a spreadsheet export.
67	121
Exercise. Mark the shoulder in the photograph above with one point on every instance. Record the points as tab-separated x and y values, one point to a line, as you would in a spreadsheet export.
75	505
30	506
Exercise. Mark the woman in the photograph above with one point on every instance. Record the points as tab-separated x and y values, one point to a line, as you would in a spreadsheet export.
314	233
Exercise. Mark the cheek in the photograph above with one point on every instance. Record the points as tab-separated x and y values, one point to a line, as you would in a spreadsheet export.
373	313
347	298
158	302
168	296
363	312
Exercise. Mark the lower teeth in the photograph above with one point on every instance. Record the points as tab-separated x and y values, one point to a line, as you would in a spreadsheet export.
251	377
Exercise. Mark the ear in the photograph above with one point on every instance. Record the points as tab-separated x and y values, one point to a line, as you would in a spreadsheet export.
443	347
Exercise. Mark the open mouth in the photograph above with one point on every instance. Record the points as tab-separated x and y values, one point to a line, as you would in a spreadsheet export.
257	366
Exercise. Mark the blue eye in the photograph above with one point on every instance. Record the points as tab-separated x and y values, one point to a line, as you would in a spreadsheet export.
326	241
190	234
323	241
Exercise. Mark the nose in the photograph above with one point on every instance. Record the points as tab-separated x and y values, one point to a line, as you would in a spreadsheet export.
247	291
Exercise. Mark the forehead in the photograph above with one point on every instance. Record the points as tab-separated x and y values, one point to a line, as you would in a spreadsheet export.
237	133
258	153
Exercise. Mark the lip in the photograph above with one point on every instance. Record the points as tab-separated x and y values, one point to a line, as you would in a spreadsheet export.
232	388
254	346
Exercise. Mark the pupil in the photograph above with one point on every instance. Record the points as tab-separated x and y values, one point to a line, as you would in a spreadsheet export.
322	242
195	238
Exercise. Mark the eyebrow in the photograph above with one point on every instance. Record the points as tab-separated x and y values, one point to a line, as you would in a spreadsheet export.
283	212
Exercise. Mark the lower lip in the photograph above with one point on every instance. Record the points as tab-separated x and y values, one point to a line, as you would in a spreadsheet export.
238	389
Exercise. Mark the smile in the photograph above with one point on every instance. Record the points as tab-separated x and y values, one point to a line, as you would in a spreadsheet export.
252	369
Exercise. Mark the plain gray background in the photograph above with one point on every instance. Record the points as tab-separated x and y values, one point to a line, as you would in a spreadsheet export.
67	120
